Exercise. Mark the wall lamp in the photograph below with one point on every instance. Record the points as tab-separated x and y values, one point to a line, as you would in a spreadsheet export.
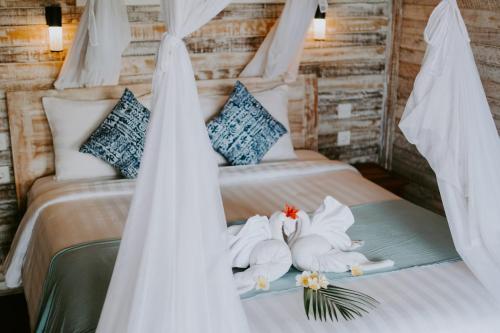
53	16
319	25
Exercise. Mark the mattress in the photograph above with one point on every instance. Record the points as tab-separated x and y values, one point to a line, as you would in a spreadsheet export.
64	214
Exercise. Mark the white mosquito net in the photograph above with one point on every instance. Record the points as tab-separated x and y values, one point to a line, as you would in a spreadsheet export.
173	272
450	122
95	56
279	54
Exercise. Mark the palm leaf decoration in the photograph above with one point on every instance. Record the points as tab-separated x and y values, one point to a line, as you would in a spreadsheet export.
335	302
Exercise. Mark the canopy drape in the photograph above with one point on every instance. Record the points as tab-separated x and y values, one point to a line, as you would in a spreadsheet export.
95	56
173	271
450	122
280	53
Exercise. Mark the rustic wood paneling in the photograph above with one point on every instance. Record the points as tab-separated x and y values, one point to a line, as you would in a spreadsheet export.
483	22
350	65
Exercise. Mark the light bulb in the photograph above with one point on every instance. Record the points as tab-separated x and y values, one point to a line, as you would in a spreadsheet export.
319	26
56	39
53	16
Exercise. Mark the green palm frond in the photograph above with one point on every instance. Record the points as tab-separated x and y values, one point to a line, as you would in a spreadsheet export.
334	302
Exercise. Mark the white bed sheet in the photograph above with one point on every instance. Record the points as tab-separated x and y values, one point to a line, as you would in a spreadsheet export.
443	298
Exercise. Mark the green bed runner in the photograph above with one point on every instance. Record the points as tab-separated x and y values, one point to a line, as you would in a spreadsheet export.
79	276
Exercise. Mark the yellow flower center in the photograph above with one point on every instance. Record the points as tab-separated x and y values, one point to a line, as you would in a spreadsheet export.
305	281
262	283
356	271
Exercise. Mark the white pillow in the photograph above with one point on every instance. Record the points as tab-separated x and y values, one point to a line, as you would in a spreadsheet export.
276	103
71	123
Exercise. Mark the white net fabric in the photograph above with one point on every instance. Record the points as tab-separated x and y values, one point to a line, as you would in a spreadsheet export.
450	122
95	56
173	272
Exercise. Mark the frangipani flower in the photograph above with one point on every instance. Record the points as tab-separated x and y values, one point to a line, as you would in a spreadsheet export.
323	281
312	280
314	284
356	271
302	280
262	283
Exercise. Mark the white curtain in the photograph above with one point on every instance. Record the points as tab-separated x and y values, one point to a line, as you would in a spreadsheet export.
95	56
280	53
173	272
449	120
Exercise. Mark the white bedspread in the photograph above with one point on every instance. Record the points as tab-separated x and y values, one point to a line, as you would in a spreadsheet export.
443	298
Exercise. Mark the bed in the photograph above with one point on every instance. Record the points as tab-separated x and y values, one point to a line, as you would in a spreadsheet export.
67	223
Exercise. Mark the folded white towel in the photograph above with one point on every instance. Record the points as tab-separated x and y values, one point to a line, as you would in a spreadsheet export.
317	244
321	243
243	239
259	245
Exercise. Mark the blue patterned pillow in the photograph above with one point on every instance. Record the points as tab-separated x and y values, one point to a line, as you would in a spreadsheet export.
119	140
244	131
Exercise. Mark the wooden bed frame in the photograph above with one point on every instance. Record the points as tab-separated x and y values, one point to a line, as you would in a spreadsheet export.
32	150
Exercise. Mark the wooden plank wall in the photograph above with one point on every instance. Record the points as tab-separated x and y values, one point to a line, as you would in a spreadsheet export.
483	22
350	64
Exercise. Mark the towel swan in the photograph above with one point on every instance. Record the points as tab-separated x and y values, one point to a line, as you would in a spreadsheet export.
321	243
259	245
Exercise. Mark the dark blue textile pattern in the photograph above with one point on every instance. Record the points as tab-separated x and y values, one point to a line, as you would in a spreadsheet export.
119	140
244	131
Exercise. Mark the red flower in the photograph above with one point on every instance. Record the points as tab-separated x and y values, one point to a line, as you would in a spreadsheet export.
291	212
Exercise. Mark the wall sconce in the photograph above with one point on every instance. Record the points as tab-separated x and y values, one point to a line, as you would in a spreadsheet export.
319	25
53	16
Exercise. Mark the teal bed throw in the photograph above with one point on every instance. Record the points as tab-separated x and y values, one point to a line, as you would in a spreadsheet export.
78	277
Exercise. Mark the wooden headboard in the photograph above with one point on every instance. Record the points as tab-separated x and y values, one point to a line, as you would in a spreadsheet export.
31	138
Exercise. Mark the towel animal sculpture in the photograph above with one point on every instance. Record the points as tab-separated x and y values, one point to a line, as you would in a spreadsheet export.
259	244
320	242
